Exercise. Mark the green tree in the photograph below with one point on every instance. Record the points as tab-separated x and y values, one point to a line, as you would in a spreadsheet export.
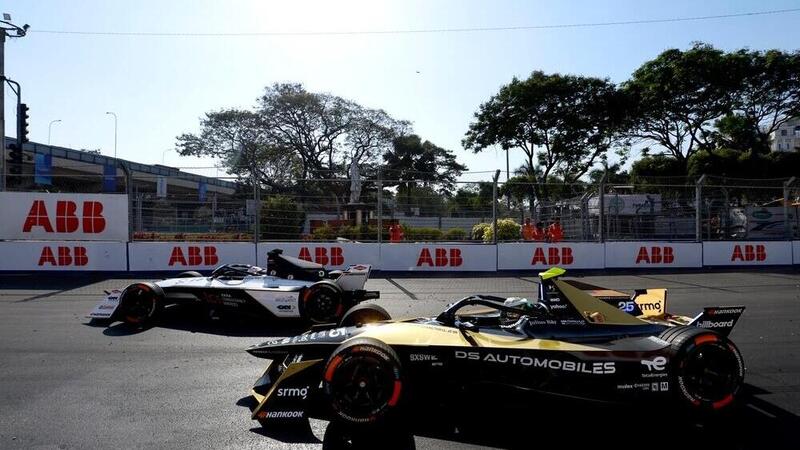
281	218
294	134
675	98
767	95
472	200
564	122
411	163
243	142
658	169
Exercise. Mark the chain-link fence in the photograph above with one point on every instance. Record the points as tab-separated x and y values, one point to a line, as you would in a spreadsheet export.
173	205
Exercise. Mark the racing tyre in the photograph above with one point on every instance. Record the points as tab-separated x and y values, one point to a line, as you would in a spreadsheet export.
189	274
140	304
322	302
363	314
707	369
363	382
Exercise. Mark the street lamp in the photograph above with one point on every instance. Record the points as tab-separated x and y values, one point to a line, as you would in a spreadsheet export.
115	132
50	129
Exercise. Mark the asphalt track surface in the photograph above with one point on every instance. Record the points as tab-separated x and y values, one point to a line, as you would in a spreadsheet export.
67	384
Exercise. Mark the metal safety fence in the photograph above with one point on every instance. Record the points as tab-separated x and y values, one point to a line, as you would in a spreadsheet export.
176	206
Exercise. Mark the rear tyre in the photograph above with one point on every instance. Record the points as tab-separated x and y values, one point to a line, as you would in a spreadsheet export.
141	304
189	274
322	302
707	369
363	314
363	382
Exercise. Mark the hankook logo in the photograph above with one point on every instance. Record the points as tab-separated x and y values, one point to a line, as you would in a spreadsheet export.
713	312
283	414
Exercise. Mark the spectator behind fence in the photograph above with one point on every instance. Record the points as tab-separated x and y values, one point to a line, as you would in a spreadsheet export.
528	230
554	232
395	233
539	233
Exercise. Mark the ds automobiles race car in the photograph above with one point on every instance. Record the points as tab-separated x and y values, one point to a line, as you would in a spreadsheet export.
288	287
576	340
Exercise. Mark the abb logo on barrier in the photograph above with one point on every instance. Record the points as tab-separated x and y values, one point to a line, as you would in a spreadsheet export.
321	256
749	253
67	221
555	255
655	255
440	257
194	256
66	256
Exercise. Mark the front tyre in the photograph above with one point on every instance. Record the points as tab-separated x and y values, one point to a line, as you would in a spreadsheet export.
708	369
322	302
363	381
140	304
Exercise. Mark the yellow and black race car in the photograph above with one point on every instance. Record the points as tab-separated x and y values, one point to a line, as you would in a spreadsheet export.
576	340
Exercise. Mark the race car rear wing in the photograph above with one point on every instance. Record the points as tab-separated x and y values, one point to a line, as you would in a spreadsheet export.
721	319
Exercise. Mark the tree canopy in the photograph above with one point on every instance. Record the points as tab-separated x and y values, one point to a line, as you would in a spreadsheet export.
294	134
565	123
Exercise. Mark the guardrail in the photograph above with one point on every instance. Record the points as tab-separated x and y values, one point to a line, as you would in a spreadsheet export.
421	256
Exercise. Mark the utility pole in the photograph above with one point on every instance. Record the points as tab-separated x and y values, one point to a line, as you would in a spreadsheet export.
2	111
6	28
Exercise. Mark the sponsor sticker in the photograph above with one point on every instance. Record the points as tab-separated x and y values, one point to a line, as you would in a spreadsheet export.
656	364
293	392
594	368
422	357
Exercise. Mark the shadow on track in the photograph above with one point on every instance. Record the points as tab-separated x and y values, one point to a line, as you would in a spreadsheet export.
195	319
753	424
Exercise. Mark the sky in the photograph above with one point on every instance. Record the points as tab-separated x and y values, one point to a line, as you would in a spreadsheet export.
160	87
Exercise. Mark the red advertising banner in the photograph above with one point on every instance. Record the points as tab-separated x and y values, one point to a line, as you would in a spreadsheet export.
642	255
80	217
435	257
147	256
63	255
529	255
747	253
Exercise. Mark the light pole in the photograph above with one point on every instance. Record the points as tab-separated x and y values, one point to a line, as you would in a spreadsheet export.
7	29
115	132
50	129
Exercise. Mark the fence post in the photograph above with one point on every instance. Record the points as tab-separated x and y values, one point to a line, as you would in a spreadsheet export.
698	209
129	192
257	225
786	222
494	205
380	205
601	203
139	219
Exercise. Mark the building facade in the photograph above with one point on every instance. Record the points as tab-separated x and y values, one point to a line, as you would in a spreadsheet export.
787	137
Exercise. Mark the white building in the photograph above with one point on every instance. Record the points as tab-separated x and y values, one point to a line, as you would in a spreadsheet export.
787	137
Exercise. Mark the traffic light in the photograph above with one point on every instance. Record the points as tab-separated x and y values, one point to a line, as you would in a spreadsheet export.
14	159
22	123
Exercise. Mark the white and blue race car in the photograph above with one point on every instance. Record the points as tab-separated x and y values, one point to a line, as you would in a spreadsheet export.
288	288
